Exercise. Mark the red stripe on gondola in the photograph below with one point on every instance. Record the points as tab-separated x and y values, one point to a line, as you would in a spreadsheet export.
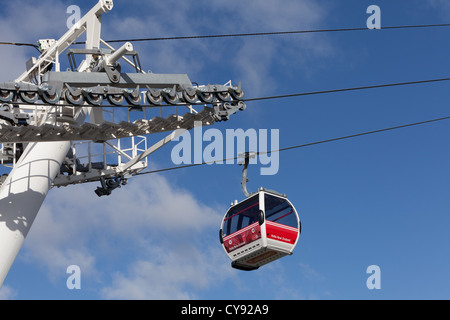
241	211
242	237
254	224
280	225
281	232
283	216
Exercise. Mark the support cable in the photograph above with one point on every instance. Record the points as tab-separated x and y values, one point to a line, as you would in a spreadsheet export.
253	34
275	33
386	85
304	145
21	44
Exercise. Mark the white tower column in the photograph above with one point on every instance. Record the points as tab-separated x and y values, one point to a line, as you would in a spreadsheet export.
22	194
24	190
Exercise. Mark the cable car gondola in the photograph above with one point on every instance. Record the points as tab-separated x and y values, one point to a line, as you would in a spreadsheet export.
260	229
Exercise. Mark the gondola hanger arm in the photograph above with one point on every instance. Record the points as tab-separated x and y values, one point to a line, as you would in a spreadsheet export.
245	162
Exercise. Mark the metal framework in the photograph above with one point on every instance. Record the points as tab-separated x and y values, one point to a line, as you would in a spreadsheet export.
61	128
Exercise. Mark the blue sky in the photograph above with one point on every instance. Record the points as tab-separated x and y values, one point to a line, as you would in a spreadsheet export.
375	200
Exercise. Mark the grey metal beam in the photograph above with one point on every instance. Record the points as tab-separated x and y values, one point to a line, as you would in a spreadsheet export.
127	80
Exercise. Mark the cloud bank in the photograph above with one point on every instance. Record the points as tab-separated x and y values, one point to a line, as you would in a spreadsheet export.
156	240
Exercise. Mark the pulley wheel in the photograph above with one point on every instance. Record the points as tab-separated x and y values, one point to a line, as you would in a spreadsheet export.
206	97
94	99
51	98
170	98
190	97
133	99
223	96
116	99
237	94
154	97
6	95
29	96
73	99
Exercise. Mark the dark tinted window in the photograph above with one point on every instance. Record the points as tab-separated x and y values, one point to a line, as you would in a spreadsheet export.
241	215
280	211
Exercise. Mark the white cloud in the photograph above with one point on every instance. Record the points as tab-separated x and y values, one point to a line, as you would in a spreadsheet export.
171	273
168	235
27	21
310	273
260	57
271	14
251	60
7	293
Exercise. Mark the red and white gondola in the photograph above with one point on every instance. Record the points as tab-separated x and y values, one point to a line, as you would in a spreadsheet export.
260	229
